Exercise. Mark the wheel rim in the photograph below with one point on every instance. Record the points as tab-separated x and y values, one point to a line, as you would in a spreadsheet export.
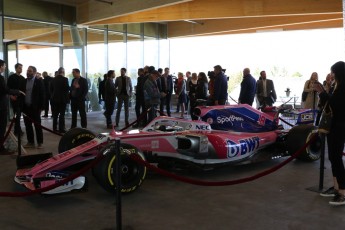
130	172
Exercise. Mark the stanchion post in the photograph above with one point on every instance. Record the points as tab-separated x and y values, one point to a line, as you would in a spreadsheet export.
19	132
118	185
319	188
322	160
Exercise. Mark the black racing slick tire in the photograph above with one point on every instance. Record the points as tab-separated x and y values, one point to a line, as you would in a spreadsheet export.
296	139
132	173
74	138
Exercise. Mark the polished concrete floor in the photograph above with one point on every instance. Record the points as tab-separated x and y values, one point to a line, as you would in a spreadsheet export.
277	201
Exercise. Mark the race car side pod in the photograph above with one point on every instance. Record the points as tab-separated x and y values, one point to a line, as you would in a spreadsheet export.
98	158
41	126
224	183
286	122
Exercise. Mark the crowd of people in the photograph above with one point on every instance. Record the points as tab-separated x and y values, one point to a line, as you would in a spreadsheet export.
36	92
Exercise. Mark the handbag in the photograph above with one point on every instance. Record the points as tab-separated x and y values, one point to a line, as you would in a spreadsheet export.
304	96
325	120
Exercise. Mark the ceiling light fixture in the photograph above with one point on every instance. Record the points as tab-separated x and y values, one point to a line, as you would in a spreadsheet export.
104	1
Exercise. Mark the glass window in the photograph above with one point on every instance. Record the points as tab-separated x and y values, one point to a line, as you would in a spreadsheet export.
150	29
151	51
73	36
96	56
116	27
116	51
134	56
134	28
16	29
164	58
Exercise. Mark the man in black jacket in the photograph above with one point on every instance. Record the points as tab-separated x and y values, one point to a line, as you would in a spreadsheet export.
33	105
4	90
46	80
59	91
139	98
78	92
17	82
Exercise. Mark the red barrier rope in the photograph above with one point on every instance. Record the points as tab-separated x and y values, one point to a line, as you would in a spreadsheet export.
137	120
8	131
41	126
98	158
222	183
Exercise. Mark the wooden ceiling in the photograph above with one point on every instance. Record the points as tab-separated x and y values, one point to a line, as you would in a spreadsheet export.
213	17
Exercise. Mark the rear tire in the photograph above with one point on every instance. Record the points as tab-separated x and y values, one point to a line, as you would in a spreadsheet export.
298	136
133	173
74	138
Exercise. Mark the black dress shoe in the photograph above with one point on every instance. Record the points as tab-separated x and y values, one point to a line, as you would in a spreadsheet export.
109	126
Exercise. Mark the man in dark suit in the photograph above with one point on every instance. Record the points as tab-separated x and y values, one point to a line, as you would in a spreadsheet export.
248	87
4	90
33	105
59	91
46	80
123	86
139	98
265	91
166	90
109	97
17	82
78	92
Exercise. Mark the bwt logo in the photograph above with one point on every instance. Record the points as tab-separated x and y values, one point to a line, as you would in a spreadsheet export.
243	147
231	118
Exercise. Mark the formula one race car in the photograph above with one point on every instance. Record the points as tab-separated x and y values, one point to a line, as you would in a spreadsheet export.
233	134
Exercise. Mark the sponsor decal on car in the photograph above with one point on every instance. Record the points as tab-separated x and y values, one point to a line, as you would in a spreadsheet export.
231	118
241	148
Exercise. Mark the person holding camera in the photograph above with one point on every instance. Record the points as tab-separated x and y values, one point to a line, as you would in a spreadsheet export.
336	135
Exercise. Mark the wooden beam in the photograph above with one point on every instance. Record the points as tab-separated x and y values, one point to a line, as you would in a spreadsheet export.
219	26
206	9
288	27
87	12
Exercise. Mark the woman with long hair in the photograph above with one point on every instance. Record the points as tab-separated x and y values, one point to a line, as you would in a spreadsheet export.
336	136
181	93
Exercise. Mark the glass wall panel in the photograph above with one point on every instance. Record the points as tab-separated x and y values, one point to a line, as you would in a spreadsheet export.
151	29
151	52
97	64
134	28
116	51
73	36
16	29
134	56
37	56
116	27
164	48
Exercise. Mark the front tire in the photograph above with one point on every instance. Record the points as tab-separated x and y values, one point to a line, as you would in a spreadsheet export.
74	138
132	173
298	136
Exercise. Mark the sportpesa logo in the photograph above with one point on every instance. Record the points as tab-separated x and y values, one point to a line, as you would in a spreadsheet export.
231	118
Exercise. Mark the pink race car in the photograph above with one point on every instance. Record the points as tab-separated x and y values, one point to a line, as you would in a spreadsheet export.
233	134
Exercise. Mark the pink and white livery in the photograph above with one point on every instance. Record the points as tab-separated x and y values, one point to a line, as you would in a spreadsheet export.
233	134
